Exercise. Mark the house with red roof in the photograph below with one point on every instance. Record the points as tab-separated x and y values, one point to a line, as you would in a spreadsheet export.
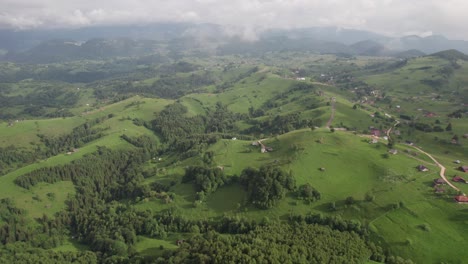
463	168
461	199
375	132
458	179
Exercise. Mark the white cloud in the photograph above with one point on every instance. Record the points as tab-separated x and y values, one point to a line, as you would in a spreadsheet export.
393	17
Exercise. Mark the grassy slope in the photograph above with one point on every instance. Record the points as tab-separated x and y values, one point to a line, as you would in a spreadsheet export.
353	168
37	206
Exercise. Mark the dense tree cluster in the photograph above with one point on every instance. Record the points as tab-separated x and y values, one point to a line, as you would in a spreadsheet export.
22	253
205	179
11	155
281	124
267	185
144	141
191	135
276	243
79	136
307	192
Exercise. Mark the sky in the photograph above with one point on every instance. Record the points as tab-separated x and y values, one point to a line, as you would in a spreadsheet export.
388	17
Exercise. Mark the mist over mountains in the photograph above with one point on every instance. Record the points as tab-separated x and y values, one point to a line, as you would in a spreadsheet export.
45	46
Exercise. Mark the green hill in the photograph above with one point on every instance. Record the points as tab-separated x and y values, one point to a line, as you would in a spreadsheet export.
452	54
158	164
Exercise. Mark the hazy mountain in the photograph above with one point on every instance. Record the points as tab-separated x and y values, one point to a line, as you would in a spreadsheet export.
45	46
408	54
64	50
331	34
428	44
23	40
369	48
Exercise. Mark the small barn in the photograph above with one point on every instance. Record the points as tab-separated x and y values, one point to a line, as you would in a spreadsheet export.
393	151
422	168
463	168
439	181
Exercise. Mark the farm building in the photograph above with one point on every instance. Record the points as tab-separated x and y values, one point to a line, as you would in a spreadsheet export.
393	151
458	179
461	199
375	132
463	168
422	168
439	181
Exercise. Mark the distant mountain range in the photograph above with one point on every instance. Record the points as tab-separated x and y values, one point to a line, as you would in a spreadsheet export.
44	46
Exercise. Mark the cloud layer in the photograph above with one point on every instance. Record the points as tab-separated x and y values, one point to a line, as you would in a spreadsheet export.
391	17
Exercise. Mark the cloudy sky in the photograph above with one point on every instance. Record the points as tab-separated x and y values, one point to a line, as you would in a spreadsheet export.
390	17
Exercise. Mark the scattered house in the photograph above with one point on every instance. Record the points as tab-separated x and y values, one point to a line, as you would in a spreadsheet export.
430	114
269	149
397	132
458	179
422	168
438	190
234	138
463	168
220	167
461	199
180	242
300	78
255	143
393	151
439	181
409	142
322	169
457	161
375	132
374	141
263	150
465	135
385	137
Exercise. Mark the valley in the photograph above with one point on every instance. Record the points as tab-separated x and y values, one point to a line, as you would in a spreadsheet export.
160	163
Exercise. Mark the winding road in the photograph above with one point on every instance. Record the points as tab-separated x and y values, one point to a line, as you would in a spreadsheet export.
442	168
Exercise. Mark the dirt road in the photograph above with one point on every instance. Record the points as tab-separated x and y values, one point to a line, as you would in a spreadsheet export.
332	116
442	168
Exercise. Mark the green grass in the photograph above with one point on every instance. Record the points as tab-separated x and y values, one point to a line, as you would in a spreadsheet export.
71	245
354	168
152	247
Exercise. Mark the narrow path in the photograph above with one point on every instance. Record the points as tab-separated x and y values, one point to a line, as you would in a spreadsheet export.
332	116
442	168
391	128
